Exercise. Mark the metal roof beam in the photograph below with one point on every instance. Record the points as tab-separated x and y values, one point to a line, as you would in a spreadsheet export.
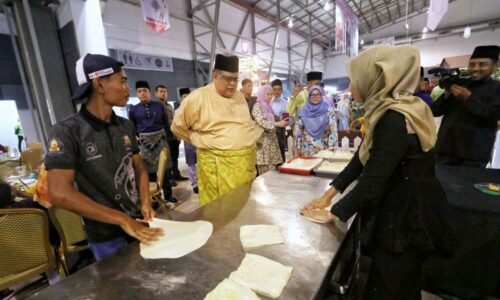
362	15
271	18
387	4
242	26
375	11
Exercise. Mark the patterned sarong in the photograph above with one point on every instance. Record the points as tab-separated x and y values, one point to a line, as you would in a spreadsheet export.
151	145
220	171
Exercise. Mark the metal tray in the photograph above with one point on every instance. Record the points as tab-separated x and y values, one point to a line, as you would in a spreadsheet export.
297	171
327	174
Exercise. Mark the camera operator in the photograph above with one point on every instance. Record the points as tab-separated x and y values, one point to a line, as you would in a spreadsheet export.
470	113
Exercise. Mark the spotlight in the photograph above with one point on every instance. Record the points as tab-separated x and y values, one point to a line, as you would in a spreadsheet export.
290	23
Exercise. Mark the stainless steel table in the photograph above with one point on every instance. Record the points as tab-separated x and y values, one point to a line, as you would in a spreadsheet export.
273	198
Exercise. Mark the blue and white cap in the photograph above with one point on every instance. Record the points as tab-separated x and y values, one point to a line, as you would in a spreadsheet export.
93	66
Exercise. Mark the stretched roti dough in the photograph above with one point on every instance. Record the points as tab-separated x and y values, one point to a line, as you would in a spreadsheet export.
180	238
230	290
254	236
264	276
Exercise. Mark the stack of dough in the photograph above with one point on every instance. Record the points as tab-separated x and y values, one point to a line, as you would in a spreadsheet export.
342	155
264	276
230	290
334	167
254	236
324	154
256	274
302	164
335	155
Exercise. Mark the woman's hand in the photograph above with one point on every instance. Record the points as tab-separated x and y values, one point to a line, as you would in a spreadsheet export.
320	216
322	202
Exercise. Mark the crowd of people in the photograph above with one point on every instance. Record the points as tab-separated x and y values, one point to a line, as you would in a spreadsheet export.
231	136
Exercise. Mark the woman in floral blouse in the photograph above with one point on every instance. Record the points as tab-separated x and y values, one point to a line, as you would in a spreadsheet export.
316	126
268	151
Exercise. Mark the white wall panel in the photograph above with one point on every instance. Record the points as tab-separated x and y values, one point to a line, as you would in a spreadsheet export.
126	30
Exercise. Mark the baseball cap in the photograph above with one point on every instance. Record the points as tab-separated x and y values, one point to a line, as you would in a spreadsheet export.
93	66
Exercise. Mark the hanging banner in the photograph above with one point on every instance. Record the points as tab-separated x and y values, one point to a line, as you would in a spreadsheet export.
437	10
346	29
134	60
384	41
156	14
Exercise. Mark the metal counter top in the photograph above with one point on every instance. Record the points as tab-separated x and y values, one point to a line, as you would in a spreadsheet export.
273	198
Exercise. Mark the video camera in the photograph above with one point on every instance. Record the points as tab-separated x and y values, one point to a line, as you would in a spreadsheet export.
449	77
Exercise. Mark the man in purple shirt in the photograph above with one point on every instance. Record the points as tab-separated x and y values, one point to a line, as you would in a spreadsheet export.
421	93
153	128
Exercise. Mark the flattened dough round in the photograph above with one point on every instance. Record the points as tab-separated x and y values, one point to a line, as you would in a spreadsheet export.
179	239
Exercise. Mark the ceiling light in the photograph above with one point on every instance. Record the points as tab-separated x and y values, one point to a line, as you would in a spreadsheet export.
327	5
467	31
290	23
362	42
407	26
425	30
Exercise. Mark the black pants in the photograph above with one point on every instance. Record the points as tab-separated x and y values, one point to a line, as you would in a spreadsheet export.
281	135
394	276
174	154
19	142
167	188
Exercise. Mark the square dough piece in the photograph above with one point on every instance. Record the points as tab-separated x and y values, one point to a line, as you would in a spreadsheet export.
230	290
264	276
254	236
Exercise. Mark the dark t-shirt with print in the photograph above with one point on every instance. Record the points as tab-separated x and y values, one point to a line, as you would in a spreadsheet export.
101	155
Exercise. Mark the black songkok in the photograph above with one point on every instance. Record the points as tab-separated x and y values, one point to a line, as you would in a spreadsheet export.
490	52
141	84
314	76
227	63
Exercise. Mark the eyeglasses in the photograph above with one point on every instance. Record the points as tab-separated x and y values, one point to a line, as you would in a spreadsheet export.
315	95
229	79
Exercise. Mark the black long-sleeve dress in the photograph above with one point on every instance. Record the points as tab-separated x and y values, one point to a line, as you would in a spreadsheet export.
402	207
398	197
469	127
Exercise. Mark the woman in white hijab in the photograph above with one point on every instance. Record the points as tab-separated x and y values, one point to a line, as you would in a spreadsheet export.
344	109
401	205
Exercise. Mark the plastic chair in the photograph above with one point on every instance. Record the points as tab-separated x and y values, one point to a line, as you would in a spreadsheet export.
25	249
69	226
